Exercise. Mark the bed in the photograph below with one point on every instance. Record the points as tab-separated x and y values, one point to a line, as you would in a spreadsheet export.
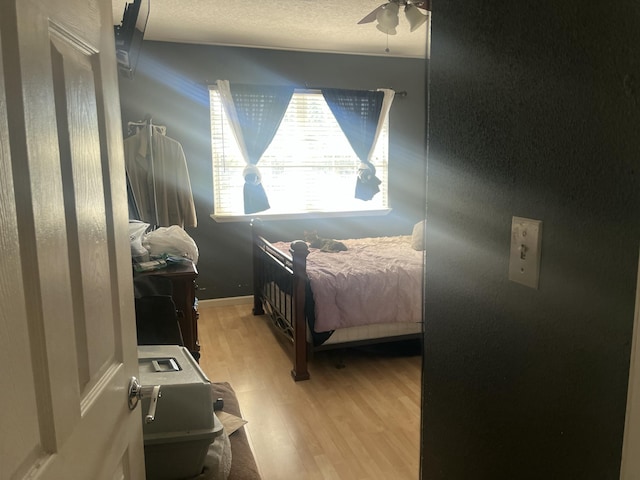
370	293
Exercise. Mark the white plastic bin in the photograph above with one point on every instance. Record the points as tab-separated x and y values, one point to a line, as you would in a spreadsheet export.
177	441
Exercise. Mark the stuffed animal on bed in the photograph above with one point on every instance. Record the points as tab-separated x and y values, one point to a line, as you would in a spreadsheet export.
324	244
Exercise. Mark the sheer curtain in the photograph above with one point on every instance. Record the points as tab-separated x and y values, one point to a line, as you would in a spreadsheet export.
361	114
254	113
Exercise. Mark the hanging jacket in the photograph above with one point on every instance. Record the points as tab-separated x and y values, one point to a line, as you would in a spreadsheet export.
159	178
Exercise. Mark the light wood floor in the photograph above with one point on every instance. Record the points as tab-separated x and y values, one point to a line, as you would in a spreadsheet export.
358	422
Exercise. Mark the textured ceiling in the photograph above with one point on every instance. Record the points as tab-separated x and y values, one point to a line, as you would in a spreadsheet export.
302	25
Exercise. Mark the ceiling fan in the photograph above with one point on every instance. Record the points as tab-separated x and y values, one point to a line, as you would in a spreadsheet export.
387	15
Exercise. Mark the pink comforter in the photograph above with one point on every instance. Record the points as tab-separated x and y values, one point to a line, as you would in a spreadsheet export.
377	280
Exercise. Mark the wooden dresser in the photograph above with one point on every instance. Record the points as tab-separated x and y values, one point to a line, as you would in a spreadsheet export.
183	279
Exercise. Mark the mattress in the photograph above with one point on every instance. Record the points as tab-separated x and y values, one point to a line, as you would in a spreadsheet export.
375	281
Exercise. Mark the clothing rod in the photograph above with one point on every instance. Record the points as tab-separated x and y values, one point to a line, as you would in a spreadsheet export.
141	123
147	122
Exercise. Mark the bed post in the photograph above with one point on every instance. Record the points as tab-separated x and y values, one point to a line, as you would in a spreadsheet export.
299	252
257	286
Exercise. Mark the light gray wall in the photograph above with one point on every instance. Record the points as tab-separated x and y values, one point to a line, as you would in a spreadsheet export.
535	113
170	84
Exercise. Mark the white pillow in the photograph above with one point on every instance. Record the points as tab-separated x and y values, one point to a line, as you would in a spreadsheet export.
417	237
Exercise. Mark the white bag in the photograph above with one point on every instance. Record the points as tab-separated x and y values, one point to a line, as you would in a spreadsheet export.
136	234
171	240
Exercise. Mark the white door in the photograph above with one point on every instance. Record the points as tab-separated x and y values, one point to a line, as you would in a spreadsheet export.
67	326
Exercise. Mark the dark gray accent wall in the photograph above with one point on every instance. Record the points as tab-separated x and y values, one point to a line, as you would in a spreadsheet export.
170	84
534	112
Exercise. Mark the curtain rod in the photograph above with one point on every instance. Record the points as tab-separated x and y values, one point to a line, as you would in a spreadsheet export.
401	93
398	93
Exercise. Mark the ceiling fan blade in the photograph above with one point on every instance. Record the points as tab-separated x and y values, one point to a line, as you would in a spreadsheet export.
372	16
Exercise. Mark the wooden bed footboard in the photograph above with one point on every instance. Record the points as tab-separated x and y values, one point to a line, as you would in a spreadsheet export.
279	282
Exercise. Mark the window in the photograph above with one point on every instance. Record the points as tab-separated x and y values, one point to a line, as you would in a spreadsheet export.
308	168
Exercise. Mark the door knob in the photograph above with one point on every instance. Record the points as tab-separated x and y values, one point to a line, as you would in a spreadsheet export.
138	392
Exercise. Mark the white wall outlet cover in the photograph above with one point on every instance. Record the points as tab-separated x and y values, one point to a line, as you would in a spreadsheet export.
524	258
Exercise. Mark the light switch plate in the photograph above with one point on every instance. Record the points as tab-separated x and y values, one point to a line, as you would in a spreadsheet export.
526	243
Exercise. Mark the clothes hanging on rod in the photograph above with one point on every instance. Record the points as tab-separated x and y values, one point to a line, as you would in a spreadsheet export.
157	170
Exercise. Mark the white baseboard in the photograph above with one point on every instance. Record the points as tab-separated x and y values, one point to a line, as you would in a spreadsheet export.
224	302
